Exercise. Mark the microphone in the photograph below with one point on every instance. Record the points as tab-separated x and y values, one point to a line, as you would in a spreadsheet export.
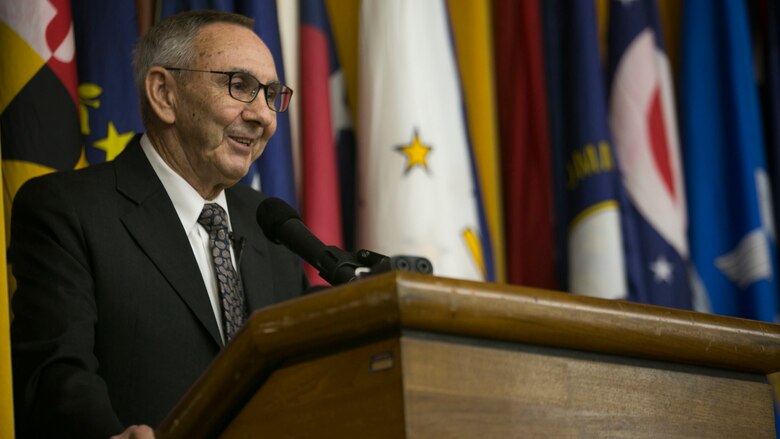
238	243
282	225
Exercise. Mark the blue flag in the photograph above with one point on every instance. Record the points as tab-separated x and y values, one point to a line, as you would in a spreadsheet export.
732	236
772	103
595	244
106	33
274	168
170	7
644	128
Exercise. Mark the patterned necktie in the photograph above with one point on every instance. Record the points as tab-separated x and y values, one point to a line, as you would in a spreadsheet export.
231	295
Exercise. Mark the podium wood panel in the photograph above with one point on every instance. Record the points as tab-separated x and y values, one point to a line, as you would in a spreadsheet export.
340	319
423	386
352	394
463	390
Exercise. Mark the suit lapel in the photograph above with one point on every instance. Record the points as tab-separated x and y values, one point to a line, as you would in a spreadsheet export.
255	265
156	228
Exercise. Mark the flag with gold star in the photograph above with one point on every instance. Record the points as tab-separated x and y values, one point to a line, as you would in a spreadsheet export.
106	33
416	187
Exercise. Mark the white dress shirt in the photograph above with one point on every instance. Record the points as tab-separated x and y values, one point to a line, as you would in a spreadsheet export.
189	204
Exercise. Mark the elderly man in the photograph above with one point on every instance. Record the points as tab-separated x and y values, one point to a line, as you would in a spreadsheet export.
126	271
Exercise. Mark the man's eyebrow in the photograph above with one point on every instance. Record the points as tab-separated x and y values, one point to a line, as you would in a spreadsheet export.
242	70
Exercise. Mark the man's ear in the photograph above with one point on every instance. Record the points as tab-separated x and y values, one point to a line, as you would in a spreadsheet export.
160	88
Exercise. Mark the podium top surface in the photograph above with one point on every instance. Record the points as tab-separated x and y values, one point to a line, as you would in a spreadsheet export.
399	300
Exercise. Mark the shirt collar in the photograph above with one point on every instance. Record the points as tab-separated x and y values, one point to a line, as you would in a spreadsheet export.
186	200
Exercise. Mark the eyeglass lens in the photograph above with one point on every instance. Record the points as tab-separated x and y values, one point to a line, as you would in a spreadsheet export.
245	87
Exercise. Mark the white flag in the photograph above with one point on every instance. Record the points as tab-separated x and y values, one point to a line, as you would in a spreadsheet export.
416	191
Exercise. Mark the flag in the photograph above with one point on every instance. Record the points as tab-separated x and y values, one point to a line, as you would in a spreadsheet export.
472	28
416	188
344	20
38	99
289	29
771	101
273	172
526	167
552	21
321	200
39	129
670	15
6	382
595	243
644	127
732	237
772	123
170	7
106	34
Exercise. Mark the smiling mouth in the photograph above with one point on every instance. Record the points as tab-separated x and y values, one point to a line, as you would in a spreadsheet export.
242	140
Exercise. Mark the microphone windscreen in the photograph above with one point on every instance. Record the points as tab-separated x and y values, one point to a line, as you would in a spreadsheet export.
271	214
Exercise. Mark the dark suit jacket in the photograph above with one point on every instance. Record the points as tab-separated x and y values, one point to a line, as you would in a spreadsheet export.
112	321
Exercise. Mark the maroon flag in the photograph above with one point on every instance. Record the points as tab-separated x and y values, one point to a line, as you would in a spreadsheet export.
523	126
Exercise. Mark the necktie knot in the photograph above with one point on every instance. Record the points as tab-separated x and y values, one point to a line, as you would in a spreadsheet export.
213	217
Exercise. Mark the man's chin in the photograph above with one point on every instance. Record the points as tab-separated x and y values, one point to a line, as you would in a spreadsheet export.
233	176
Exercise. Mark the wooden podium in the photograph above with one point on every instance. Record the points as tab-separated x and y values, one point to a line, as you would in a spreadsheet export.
403	355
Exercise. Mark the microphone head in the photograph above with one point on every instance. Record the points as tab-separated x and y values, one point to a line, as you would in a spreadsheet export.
271	214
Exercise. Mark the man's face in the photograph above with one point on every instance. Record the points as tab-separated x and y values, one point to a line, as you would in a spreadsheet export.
220	136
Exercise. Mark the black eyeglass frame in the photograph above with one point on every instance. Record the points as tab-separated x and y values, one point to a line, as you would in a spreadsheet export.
283	90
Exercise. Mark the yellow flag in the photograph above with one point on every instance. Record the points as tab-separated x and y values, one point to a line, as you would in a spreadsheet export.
472	29
6	392
344	20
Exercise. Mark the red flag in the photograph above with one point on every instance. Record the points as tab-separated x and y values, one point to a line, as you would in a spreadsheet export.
523	126
321	204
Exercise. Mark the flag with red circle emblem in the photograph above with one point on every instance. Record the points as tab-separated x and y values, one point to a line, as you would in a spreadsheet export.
644	128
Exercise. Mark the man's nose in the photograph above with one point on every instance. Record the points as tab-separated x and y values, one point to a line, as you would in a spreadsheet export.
259	111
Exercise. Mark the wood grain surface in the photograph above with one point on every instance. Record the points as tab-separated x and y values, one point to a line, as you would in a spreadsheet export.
395	302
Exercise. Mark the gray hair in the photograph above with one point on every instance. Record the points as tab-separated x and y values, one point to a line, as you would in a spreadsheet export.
171	42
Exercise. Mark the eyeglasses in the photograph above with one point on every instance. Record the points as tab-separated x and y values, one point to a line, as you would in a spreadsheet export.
244	87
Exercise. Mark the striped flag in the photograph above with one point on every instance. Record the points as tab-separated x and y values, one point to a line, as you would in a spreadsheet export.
321	200
644	127
732	236
416	187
